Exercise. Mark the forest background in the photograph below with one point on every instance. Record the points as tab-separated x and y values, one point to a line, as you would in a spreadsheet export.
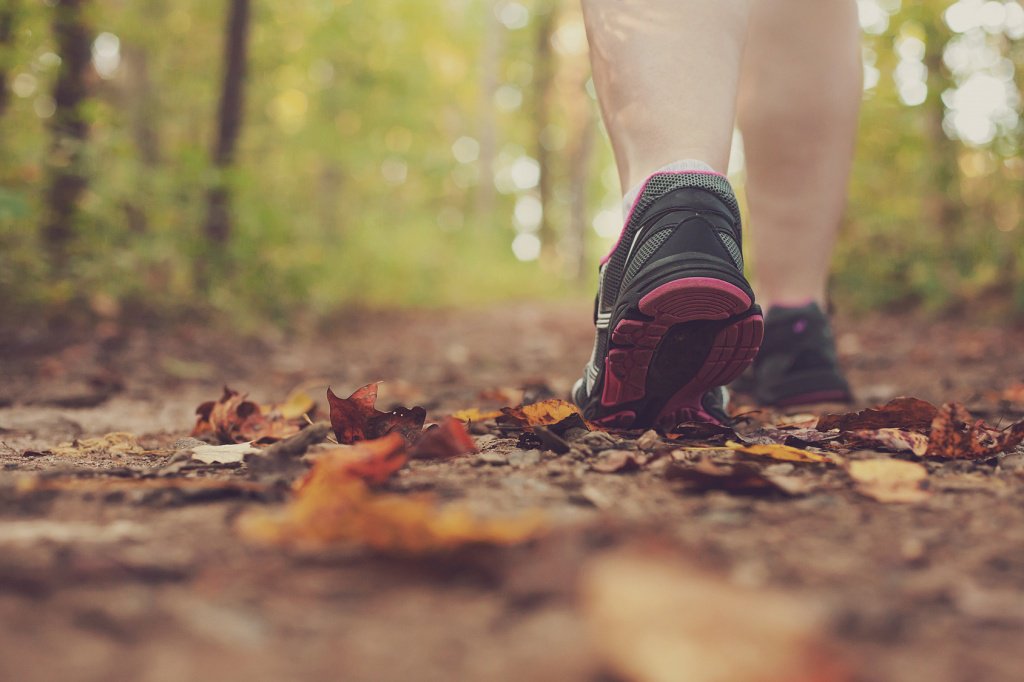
285	161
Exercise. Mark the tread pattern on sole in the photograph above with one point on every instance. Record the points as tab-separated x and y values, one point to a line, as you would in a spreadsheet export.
636	343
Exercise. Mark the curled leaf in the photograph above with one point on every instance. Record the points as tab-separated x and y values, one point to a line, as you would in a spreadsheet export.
236	419
356	419
444	441
372	461
899	413
956	434
334	503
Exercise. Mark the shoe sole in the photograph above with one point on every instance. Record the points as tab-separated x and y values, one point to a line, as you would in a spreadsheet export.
683	338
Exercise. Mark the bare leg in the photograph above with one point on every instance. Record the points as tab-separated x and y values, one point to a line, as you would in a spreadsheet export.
667	73
799	100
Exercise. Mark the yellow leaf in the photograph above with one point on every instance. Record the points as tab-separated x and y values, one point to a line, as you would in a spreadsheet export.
296	404
549	412
783	453
474	414
889	480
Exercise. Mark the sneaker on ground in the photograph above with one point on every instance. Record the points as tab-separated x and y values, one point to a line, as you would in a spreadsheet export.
797	364
675	316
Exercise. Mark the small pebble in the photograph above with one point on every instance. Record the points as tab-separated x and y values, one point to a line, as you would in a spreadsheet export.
524	458
492	458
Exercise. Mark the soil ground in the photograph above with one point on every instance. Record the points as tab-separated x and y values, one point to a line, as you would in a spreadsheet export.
105	577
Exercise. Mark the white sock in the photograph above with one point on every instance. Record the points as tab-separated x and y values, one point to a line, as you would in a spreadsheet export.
683	165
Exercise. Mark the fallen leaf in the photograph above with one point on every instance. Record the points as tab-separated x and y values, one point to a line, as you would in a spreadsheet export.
739	478
118	442
782	453
372	461
474	414
544	413
702	431
333	503
897	440
794	436
889	480
655	619
236	419
904	413
956	434
618	461
222	454
356	419
296	405
444	441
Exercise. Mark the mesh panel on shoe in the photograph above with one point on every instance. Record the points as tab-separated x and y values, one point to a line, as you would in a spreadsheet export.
644	253
657	186
733	248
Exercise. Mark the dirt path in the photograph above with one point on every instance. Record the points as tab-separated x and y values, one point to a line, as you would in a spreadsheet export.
108	574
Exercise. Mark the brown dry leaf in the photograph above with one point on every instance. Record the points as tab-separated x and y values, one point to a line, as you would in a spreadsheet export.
956	434
333	503
896	440
619	461
738	479
702	431
444	441
356	419
654	619
118	442
900	413
782	453
236	419
890	480
474	414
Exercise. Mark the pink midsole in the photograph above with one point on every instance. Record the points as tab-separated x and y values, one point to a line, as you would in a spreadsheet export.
683	300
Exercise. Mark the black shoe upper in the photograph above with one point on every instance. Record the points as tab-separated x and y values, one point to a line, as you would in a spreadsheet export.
798	361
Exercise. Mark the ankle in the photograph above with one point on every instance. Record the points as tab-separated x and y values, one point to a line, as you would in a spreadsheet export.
681	166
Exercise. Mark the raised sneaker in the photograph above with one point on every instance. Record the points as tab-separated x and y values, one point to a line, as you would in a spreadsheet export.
675	316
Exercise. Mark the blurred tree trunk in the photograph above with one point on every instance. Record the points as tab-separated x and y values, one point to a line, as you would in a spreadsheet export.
544	78
217	228
138	98
944	200
69	128
490	68
579	176
8	15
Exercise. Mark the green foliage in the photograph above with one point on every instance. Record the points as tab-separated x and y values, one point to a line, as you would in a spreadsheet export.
346	189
